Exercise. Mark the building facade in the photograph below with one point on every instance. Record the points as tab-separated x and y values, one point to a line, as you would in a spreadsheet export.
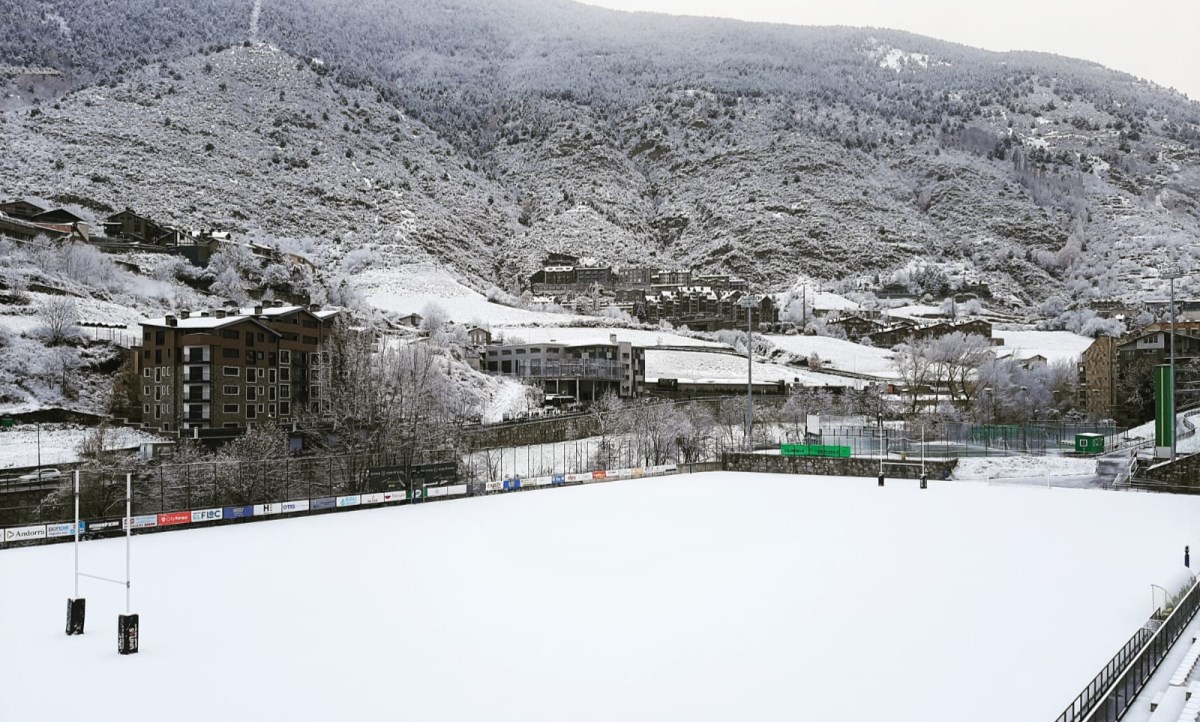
230	368
585	371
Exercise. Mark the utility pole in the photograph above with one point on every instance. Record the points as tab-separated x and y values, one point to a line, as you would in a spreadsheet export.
1174	434
749	302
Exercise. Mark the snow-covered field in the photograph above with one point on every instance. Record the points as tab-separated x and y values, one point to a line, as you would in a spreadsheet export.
638	337
409	289
1054	345
704	366
840	354
704	597
59	443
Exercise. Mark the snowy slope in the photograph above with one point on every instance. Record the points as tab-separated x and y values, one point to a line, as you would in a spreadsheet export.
841	354
708	597
60	443
704	366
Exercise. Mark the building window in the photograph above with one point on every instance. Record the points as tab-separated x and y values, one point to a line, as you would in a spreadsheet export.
230	390
157	375
251	393
285	408
250	413
228	333
232	408
270	393
145	408
285	357
157	410
285	374
270	409
230	353
231	371
271	376
285	392
250	375
145	391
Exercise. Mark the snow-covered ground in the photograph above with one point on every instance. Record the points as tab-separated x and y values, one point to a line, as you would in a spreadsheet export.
1034	468
705	597
638	337
840	354
409	289
59	443
704	366
1054	345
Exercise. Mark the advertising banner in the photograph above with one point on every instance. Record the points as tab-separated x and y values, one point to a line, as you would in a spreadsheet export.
493	486
142	522
24	533
637	472
352	500
579	477
373	498
175	517
95	527
558	479
537	481
268	509
456	490
620	473
599	475
288	507
326	503
67	528
237	512
394	496
206	515
512	484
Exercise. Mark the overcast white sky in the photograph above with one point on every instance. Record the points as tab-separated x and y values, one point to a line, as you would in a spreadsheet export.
1158	40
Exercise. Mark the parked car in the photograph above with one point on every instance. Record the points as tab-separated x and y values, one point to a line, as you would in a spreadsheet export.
40	475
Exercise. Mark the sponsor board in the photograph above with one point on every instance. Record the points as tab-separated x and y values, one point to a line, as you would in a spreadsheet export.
511	484
435	491
579	477
558	479
95	527
206	515
25	533
268	509
66	528
373	498
288	507
326	503
237	512
352	500
637	472
456	490
493	486
538	481
599	475
392	496
174	517
142	522
619	473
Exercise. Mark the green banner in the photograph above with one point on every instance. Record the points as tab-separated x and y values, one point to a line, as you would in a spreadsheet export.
839	452
1164	418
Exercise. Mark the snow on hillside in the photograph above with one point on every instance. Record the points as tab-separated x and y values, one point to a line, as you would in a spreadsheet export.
409	289
840	354
705	366
723	596
826	301
1034	468
59	443
1054	345
638	337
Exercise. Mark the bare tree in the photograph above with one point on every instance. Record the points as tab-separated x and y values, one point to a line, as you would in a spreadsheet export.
58	315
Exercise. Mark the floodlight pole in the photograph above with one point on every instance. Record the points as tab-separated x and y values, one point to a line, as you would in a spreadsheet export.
749	376
1174	432
128	532
76	534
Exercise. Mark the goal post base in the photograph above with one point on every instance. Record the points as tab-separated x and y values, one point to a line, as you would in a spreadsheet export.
76	610
127	634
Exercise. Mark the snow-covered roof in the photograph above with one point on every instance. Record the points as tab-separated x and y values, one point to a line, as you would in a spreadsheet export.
203	323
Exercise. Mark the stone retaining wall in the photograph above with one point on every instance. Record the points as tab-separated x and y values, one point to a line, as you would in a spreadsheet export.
821	466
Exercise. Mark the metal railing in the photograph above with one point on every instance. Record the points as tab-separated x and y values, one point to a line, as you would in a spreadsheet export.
1112	692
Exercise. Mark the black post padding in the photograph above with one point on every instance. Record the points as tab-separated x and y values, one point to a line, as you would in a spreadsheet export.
76	609
924	481
127	634
881	479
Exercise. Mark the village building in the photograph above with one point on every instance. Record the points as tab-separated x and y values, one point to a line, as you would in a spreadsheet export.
585	371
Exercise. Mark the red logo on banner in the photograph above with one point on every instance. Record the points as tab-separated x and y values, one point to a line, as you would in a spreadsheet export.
175	517
598	475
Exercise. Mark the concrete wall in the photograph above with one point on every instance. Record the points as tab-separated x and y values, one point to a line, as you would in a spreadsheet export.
1184	472
773	464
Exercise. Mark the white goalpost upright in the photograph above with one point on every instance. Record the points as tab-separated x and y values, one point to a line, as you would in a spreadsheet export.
127	623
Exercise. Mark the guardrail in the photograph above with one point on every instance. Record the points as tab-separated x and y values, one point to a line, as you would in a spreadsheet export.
1112	692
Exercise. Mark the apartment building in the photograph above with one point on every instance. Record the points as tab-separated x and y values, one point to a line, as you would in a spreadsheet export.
231	368
585	371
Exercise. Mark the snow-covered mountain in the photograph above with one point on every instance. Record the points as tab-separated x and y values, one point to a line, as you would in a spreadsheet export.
480	134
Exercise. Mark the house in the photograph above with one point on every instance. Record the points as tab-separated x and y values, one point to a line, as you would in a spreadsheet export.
231	368
22	208
412	320
136	228
856	326
58	216
479	336
585	371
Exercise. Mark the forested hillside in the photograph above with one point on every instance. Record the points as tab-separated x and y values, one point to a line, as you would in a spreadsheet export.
482	133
